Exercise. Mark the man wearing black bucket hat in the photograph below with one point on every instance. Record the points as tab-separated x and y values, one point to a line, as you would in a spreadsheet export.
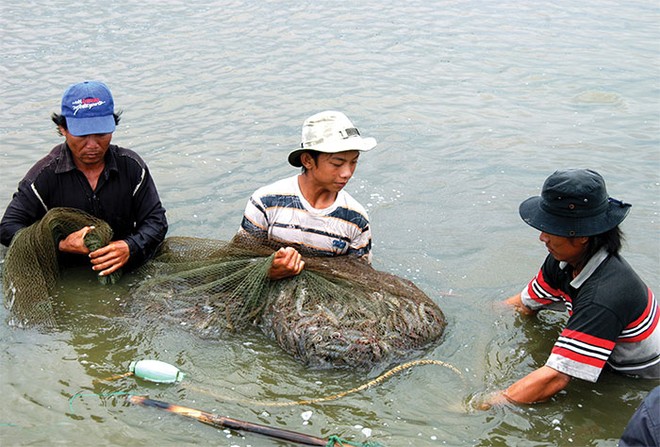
312	211
88	173
613	315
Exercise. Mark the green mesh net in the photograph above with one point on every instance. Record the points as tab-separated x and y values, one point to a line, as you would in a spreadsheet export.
32	268
338	312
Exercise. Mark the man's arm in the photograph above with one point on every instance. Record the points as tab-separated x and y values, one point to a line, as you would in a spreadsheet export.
151	227
537	386
23	210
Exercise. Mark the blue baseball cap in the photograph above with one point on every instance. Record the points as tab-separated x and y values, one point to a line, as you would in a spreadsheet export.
88	108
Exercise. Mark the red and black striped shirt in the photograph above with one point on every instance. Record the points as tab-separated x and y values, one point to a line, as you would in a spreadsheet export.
613	317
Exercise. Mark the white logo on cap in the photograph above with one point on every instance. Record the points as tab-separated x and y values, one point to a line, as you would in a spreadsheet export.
87	103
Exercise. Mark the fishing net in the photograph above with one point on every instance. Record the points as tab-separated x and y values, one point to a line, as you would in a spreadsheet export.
338	312
32	264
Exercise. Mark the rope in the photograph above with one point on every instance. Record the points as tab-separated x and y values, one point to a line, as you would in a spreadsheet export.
376	381
334	440
111	378
363	387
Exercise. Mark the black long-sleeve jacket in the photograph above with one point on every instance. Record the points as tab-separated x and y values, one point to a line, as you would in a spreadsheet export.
125	197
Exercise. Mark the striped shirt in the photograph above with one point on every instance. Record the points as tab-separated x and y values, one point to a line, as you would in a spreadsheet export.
613	317
280	213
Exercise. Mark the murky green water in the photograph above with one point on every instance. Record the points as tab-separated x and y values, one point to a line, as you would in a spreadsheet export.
473	103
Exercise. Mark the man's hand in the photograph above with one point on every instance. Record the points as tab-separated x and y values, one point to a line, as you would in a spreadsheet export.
287	262
516	302
487	401
105	260
75	242
112	257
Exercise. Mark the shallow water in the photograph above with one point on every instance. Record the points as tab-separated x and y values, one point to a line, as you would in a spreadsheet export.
473	104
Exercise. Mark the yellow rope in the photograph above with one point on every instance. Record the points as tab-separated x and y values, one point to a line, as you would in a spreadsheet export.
363	387
376	381
117	377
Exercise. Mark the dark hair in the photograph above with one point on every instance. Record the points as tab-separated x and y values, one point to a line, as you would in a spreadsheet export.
315	157
60	120
611	241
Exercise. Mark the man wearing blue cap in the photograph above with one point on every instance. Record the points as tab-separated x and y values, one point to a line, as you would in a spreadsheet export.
613	315
86	172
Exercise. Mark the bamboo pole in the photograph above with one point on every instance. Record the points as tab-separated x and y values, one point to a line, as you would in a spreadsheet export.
225	422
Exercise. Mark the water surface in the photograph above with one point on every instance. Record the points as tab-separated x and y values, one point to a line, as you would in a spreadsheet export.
473	103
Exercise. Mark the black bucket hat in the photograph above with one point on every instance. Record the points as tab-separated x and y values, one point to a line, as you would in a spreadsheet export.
574	203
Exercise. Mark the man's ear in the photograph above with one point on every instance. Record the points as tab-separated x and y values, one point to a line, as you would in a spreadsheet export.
582	240
307	160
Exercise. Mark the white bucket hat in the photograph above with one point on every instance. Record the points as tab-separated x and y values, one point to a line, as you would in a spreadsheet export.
330	132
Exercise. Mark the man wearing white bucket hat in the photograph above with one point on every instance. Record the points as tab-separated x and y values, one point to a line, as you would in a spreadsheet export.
613	315
311	211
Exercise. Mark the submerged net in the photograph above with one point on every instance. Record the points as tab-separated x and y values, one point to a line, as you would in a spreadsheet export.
32	267
338	312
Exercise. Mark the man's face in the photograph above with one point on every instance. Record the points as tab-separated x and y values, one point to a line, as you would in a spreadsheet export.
332	171
87	150
568	249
